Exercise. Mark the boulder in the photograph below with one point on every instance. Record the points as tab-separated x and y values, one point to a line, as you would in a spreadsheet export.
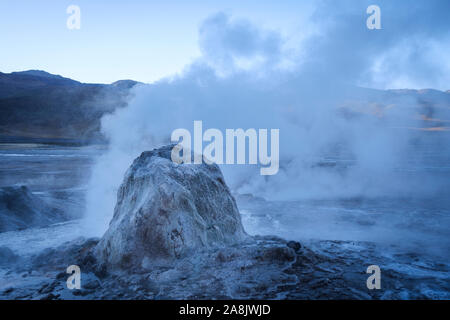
7	256
21	209
166	210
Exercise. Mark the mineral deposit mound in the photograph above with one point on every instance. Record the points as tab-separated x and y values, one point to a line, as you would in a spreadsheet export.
166	210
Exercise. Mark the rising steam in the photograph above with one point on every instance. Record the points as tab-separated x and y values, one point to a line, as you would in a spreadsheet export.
247	78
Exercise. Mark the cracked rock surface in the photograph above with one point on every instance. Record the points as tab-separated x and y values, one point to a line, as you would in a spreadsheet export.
168	210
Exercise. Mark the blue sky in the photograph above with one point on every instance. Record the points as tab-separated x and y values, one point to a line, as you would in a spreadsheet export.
137	39
146	40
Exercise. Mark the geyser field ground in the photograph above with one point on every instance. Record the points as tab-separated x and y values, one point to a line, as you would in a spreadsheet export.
340	238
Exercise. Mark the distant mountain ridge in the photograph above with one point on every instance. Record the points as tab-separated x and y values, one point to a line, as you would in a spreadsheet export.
40	73
37	105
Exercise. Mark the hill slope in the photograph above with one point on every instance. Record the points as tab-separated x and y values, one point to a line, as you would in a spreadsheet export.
37	105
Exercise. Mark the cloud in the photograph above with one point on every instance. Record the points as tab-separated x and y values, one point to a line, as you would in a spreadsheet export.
228	44
407	48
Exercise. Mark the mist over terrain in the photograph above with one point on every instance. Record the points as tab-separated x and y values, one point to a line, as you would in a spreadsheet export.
45	107
324	95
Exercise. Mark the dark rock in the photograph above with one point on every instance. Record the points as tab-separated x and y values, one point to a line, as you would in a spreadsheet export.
8	290
101	271
221	257
47	288
7	256
81	292
294	245
92	284
281	254
51	296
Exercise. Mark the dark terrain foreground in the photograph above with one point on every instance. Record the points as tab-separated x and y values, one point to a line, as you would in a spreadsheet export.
176	233
263	268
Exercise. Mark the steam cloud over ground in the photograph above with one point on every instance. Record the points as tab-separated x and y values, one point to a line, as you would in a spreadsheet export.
325	94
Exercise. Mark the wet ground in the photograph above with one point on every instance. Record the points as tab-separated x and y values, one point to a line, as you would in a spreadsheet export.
407	237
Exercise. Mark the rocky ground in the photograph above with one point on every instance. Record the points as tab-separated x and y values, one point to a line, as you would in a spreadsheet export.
261	268
176	233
